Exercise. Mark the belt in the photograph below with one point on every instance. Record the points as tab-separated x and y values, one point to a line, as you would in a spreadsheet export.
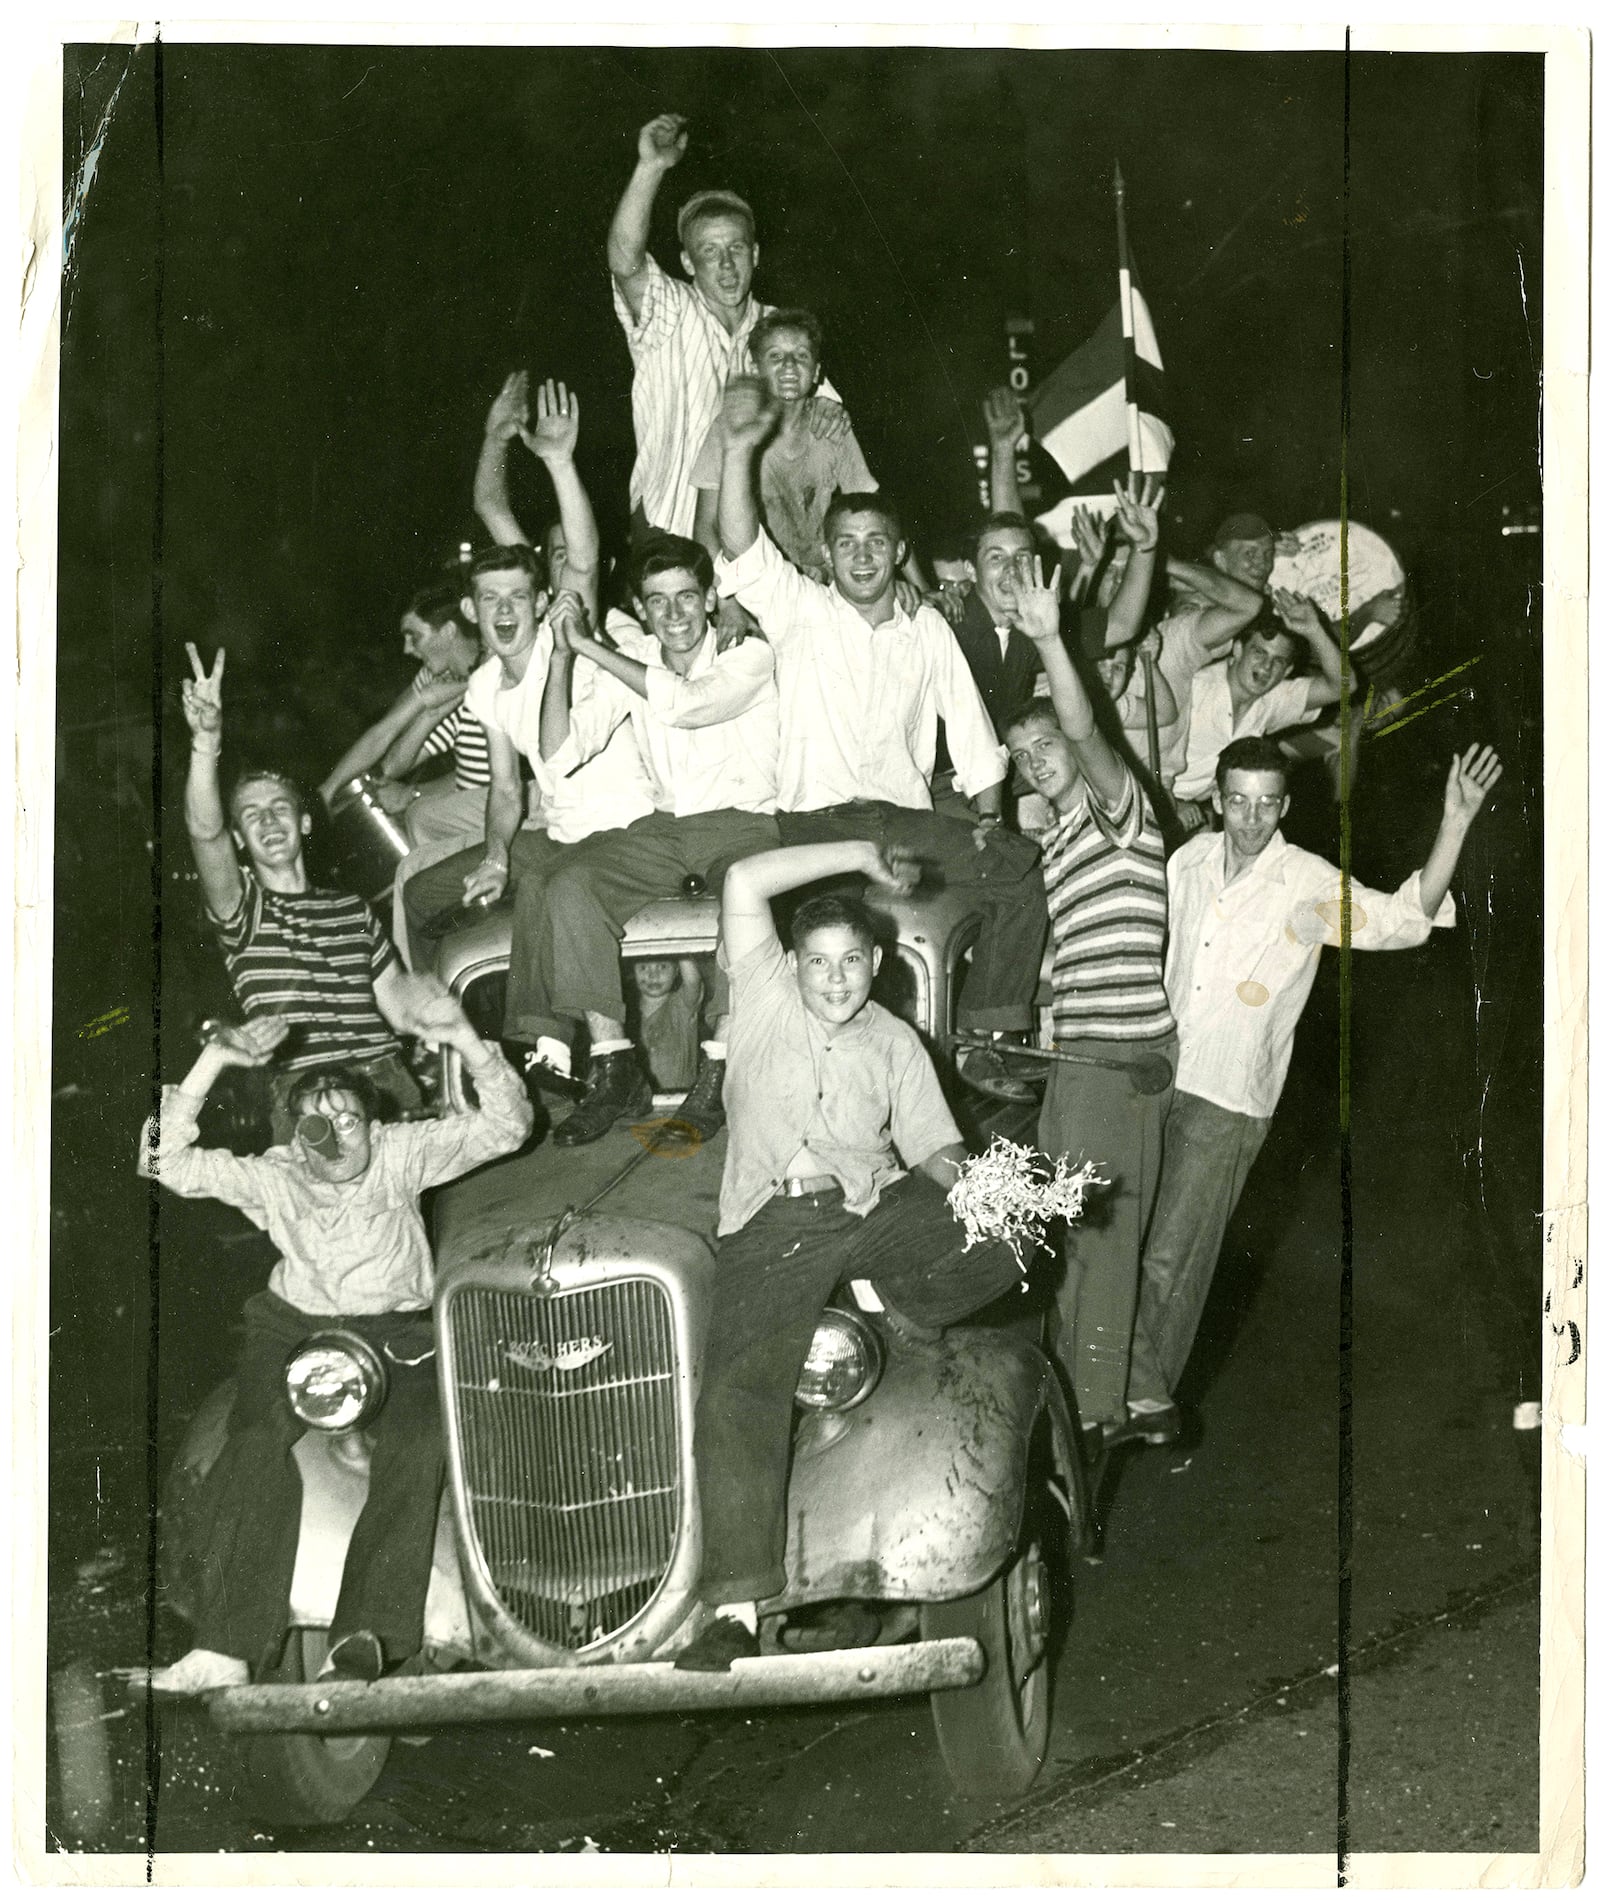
798	1185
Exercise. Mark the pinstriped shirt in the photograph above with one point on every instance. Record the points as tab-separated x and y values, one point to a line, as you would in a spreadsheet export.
310	956
682	360
1105	882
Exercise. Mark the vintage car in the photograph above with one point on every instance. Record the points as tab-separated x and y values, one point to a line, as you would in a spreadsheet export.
940	1487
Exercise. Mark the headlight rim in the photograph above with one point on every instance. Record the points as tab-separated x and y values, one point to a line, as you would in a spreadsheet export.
369	1362
872	1349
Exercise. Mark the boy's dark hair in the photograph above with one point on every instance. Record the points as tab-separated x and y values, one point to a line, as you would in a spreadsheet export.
1036	712
1004	518
1256	753
248	774
321	1082
439	604
828	913
660	552
1269	627
862	502
504	559
801	320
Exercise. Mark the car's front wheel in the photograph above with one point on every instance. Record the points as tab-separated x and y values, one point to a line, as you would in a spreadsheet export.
298	1780
992	1735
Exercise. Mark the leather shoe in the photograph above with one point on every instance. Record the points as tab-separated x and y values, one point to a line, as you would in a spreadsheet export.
718	1647
615	1089
702	1108
1163	1428
988	1072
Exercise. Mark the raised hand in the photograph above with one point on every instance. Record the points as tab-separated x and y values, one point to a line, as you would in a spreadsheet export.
423	1007
895	868
446	691
1003	417
1297	613
1473	776
508	413
568	618
250	1044
1138	499
664	140
1038	601
202	694
555	432
748	413
734	623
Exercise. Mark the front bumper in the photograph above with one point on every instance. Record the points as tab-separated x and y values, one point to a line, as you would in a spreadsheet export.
418	1703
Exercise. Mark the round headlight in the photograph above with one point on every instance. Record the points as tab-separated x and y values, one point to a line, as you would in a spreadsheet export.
335	1381
843	1364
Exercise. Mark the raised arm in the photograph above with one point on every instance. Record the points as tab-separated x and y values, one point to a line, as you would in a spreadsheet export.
1140	526
748	417
555	441
507	419
407	747
1301	617
661	144
1473	775
752	884
1039	618
1003	418
167	1151
1230	605
215	856
705	521
427	700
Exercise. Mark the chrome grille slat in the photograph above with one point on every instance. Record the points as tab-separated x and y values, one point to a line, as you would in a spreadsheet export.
573	1478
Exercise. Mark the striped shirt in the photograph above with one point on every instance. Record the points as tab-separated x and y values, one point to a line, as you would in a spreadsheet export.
1105	882
310	956
461	731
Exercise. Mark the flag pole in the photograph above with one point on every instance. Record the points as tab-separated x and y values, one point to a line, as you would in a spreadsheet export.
1130	354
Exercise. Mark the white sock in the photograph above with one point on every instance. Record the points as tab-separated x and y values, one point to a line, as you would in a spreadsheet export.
610	1045
718	1052
553	1052
740	1614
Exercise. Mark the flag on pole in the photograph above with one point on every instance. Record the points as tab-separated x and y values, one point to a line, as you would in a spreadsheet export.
1083	410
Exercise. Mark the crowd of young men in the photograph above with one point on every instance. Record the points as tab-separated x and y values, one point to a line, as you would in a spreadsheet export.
776	697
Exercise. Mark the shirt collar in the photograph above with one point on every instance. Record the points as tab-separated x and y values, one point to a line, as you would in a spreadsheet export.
1272	864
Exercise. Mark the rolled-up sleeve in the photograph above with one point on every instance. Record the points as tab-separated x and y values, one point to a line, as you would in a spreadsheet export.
168	1153
731	685
979	759
774	590
1379	920
660	309
920	1122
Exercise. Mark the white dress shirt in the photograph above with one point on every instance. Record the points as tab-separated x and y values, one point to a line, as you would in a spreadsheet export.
610	790
708	739
1212	724
1240	959
858	705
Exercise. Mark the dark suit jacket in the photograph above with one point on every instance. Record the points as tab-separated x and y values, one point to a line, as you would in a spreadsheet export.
1006	684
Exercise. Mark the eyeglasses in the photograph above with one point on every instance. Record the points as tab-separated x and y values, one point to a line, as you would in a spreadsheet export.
1238	806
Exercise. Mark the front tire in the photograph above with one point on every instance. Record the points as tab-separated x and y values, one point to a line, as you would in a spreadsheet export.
993	1734
298	1781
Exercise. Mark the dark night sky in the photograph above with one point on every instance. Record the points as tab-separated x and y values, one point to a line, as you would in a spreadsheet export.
351	246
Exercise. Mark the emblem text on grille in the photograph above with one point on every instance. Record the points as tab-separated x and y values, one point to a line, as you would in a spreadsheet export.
567	1357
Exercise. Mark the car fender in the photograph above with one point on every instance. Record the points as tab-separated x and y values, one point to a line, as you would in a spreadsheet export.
917	1493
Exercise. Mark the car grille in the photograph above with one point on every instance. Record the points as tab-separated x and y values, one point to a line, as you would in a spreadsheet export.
567	1412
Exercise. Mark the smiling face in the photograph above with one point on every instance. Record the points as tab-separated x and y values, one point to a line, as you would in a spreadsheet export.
996	562
1115	670
1248	561
438	648
864	552
834	966
1251	804
268	824
676	609
1045	761
720	253
1263	661
343	1137
787	365
507	604
657	977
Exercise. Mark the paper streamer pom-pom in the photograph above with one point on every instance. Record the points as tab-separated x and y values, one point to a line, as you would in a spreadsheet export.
1012	1193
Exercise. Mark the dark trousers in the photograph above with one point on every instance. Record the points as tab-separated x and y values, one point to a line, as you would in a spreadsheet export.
1002	882
773	1280
576	961
1208	1158
1098	1113
248	1508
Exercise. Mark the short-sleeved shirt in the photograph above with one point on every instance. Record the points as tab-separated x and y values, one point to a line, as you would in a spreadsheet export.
313	957
461	732
862	1096
1212	723
1105	880
798	480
